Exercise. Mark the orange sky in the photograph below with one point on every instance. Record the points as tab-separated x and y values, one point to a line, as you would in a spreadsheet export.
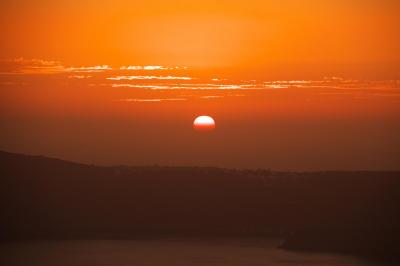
204	33
301	85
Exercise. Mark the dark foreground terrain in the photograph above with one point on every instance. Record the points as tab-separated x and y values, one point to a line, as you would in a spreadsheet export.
350	212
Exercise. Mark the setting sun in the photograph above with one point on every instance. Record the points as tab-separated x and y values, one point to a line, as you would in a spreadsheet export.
204	123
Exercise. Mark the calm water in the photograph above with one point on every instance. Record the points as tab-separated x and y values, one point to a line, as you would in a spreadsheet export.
171	252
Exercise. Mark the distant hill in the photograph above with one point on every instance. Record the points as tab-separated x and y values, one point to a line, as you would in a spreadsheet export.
44	198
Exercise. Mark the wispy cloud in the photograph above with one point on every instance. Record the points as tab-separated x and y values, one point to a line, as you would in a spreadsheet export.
138	86
336	93
211	97
117	77
387	94
30	66
151	68
149	78
186	86
39	66
143	68
289	82
275	86
89	68
151	100
12	83
220	96
79	77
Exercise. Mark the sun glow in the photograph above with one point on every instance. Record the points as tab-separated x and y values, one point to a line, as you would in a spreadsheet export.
204	123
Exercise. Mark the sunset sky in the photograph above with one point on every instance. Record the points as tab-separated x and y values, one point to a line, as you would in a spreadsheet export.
293	85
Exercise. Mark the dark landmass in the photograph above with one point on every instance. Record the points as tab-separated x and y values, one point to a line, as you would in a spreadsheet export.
335	211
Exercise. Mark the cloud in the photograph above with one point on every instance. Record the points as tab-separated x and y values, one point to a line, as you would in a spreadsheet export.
40	66
89	69
170	81
211	97
30	66
336	93
79	77
220	96
151	100
12	83
149	78
142	68
150	68
188	86
151	87
274	86
387	94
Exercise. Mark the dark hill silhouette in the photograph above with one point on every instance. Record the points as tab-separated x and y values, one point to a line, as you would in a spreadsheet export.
43	198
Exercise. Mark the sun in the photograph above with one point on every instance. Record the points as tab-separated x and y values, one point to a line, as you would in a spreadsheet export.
204	123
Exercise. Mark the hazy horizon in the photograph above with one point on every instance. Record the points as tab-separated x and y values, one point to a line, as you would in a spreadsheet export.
143	115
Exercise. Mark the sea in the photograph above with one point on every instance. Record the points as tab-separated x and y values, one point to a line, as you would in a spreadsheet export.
169	252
